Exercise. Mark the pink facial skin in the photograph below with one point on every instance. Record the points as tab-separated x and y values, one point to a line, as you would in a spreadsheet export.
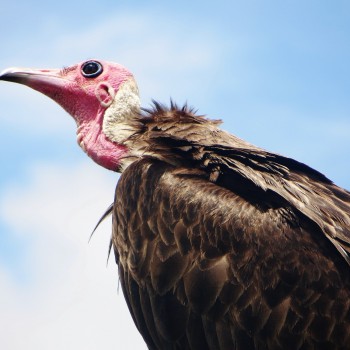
96	145
84	98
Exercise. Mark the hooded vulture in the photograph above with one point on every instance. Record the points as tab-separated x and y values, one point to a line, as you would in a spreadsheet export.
220	244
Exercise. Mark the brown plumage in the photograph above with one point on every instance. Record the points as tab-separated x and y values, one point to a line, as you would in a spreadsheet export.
221	245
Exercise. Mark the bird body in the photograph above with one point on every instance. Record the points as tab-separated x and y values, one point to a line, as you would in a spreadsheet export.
219	244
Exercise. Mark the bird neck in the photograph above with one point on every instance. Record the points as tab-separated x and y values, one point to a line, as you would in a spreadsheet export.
104	136
97	146
121	120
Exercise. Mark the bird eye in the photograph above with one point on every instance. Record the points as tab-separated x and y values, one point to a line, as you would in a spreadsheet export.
91	69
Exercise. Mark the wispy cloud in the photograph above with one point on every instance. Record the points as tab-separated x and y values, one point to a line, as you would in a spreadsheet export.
69	298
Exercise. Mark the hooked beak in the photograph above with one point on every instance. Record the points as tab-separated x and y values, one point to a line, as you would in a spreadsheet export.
50	82
38	79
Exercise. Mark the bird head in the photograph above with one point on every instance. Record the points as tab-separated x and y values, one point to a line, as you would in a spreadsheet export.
103	99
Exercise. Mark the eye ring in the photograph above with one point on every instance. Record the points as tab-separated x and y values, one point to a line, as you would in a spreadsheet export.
91	69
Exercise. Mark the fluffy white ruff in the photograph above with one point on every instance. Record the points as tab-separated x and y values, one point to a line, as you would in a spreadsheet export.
120	118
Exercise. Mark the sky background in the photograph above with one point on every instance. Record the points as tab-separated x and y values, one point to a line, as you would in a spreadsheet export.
276	72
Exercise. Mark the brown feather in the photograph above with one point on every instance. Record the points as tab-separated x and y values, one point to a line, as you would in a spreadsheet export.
222	245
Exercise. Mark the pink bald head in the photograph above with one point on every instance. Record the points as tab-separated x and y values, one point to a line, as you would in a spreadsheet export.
85	91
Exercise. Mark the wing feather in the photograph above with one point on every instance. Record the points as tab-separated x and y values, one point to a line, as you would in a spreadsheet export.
209	263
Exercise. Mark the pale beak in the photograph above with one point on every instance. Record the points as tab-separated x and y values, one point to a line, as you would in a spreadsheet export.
38	79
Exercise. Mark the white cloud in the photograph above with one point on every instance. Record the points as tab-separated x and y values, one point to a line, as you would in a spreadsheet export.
69	299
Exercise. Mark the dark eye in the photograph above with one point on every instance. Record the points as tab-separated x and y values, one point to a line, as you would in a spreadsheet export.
91	69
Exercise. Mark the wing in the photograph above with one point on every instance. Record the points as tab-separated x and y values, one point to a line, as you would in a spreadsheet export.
268	179
283	180
202	267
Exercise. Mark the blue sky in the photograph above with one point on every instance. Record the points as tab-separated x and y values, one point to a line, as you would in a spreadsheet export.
276	72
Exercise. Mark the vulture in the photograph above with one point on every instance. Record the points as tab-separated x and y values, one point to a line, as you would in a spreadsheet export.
220	244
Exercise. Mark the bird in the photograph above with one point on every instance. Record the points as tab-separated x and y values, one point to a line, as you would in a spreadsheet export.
219	244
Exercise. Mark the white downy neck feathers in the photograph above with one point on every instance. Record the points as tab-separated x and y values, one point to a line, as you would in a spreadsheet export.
120	118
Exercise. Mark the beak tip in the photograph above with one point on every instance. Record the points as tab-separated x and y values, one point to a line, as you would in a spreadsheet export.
9	74
28	76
